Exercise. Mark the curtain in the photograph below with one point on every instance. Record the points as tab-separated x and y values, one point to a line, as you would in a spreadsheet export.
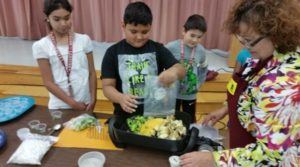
101	19
22	18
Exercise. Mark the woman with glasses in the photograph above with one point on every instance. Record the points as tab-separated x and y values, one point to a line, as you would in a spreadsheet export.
264	98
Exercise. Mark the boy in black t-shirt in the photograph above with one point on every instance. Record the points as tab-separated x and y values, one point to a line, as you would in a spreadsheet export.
126	64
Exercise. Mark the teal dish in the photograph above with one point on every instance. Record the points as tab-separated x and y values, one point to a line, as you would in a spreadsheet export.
14	106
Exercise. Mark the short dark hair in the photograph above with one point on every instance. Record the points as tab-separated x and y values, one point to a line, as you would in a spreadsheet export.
137	13
51	5
195	22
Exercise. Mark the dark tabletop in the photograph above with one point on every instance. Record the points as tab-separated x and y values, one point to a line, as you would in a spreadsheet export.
67	157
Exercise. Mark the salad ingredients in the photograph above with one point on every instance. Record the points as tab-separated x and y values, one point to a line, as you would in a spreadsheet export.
171	129
150	126
135	123
164	128
81	122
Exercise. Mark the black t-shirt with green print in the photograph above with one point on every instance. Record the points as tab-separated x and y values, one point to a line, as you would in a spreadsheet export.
130	66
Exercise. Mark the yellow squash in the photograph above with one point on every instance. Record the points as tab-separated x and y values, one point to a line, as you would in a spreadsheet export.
148	128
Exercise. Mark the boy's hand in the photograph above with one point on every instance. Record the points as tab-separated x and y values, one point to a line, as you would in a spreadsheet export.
129	103
172	74
167	77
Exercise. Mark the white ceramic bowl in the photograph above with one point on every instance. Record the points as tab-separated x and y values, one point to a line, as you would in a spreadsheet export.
91	159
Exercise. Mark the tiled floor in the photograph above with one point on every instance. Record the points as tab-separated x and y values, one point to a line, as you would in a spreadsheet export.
17	51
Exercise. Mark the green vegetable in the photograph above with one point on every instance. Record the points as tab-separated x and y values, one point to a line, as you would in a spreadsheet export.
135	123
164	128
84	123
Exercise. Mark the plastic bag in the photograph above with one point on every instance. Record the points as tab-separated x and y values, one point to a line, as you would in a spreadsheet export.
81	122
32	149
207	131
159	101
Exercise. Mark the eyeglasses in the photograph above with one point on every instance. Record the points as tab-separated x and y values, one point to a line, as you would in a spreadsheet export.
249	44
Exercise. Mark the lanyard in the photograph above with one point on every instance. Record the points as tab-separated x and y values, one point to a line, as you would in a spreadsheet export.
192	56
59	55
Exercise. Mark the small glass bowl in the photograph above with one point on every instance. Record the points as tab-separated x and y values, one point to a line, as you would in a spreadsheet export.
56	114
41	128
33	124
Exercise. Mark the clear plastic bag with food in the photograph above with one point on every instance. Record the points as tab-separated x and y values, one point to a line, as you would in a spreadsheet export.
159	101
81	122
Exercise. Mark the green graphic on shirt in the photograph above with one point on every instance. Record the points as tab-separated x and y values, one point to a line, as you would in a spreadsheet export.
138	66
188	85
137	81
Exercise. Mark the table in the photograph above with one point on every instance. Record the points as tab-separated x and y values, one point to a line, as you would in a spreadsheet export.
67	157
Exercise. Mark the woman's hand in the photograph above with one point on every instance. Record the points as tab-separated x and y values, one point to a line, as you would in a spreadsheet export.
197	159
212	118
129	103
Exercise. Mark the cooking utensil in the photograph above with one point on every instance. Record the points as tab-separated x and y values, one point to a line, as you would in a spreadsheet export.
121	136
56	127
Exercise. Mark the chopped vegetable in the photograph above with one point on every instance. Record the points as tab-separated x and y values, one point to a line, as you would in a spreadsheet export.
135	123
164	128
81	122
148	128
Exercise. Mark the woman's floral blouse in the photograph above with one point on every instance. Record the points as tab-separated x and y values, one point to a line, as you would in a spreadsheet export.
270	109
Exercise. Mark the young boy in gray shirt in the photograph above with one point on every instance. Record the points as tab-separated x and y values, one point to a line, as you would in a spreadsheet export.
191	54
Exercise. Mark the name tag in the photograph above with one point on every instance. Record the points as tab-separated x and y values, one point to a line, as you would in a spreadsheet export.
231	86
